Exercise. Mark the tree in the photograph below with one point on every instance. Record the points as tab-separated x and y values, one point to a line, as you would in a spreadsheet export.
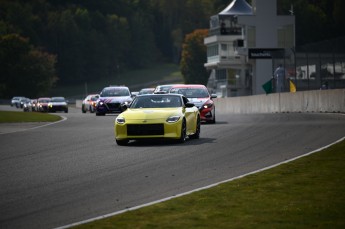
94	39
68	44
118	38
143	51
339	18
174	19
25	70
194	57
316	20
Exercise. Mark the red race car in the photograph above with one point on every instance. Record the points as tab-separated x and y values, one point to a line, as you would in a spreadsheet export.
200	96
89	103
42	104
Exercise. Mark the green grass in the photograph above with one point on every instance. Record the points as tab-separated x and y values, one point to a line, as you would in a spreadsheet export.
306	193
15	116
135	80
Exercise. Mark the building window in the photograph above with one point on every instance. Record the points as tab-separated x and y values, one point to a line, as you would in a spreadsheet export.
251	36
212	50
221	74
286	37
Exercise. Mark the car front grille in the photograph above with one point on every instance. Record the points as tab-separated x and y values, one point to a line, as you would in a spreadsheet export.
145	129
113	106
59	107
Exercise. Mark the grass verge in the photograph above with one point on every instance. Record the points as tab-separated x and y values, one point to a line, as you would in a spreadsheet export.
15	116
306	193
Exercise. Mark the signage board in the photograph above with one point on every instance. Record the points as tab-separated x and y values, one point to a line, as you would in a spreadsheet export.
265	53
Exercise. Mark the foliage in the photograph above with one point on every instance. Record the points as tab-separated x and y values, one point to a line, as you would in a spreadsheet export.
316	20
194	57
174	19
105	38
24	69
159	74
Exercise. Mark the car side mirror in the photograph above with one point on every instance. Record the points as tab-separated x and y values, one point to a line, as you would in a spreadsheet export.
188	104
213	96
134	94
124	107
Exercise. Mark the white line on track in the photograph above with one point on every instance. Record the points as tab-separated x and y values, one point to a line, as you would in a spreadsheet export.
195	190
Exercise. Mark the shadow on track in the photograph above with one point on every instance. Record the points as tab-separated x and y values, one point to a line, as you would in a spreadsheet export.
166	142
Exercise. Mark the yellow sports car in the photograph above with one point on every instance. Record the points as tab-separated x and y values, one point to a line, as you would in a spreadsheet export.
167	116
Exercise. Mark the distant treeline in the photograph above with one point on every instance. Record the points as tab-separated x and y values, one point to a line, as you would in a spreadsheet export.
88	39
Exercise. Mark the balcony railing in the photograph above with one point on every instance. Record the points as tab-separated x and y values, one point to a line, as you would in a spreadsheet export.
225	31
225	60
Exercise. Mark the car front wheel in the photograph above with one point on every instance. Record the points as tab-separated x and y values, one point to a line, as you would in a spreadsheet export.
196	135
213	121
182	138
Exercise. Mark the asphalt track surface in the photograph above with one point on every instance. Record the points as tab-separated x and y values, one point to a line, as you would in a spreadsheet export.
73	170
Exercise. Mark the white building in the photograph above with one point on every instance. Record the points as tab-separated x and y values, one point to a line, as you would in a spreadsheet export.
245	44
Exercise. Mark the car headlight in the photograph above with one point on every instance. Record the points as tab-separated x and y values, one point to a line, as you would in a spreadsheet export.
207	105
120	120
173	119
50	105
100	103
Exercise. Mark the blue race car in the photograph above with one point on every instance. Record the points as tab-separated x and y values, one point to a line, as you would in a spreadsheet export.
112	98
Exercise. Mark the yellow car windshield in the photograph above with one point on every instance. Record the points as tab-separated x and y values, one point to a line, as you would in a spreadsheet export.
165	101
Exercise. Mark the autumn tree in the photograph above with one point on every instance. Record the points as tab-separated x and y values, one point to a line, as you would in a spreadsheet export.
194	57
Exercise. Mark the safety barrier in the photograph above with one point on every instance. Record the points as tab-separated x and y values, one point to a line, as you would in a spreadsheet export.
303	101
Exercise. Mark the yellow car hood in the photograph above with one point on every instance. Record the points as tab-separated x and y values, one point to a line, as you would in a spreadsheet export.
151	113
